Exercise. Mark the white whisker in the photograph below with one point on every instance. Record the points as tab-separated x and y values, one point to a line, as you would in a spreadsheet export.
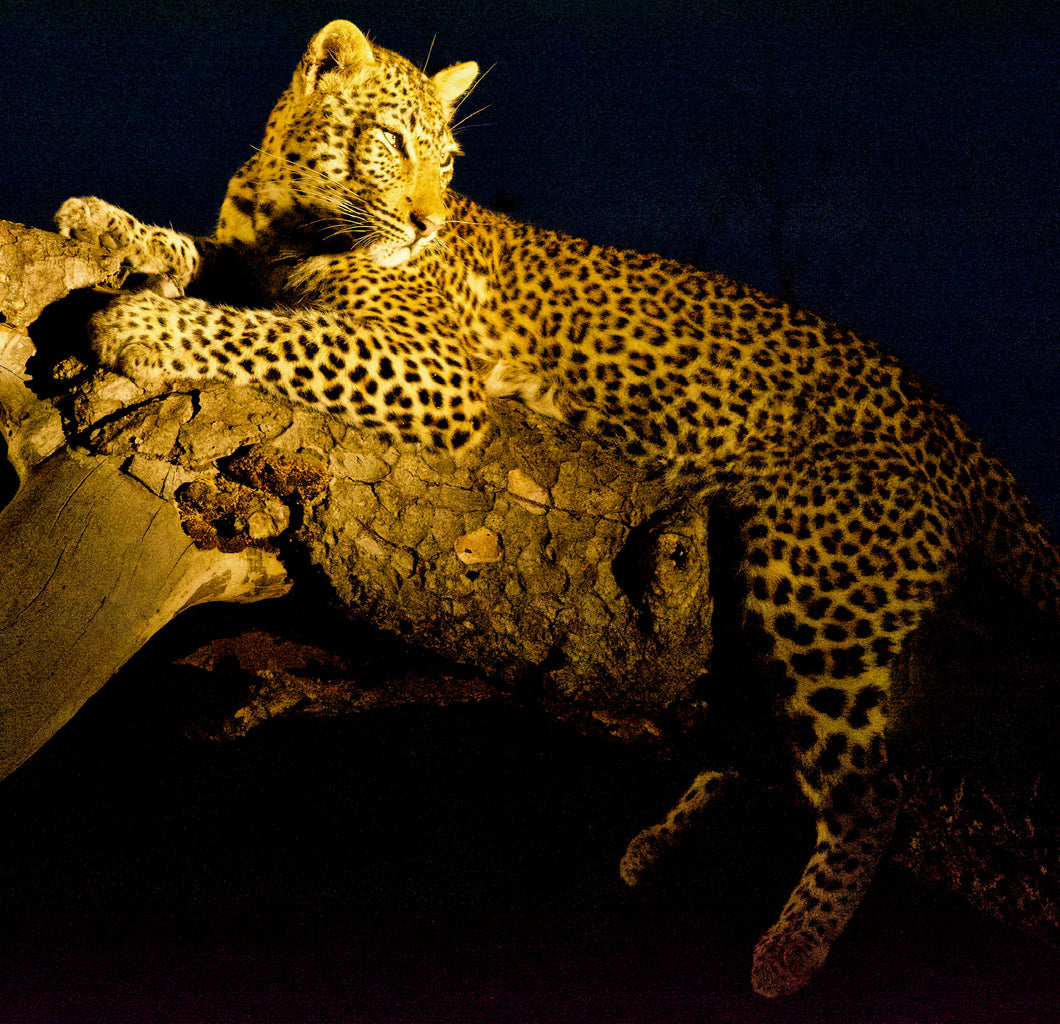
464	98
430	50
464	120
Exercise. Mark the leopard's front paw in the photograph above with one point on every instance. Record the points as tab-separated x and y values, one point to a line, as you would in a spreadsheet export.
93	220
168	259
128	337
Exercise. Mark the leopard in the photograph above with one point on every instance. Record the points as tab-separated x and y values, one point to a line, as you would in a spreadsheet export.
391	301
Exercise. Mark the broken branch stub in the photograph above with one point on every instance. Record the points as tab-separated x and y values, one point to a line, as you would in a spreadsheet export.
513	562
92	562
92	565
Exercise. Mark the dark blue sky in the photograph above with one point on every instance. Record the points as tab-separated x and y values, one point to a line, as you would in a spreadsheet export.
898	172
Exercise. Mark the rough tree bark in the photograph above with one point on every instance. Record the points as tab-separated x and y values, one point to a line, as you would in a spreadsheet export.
541	559
92	563
541	555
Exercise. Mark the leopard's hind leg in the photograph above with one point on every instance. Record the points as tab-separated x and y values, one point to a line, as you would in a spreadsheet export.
855	821
646	846
840	572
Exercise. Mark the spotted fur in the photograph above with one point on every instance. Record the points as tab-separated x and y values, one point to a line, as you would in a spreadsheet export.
401	306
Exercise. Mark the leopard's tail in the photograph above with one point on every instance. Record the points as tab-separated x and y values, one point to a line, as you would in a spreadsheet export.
1013	537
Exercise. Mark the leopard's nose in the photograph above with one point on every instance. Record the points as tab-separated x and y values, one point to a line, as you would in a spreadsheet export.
425	225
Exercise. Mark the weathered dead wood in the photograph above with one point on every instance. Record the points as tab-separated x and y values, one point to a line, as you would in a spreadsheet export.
981	814
92	563
539	557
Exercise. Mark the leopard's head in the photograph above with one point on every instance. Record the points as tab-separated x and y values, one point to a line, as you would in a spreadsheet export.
358	151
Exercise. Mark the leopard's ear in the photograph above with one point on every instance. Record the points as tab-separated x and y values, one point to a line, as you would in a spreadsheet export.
339	45
453	82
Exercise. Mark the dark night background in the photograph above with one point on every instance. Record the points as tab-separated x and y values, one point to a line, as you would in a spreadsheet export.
891	165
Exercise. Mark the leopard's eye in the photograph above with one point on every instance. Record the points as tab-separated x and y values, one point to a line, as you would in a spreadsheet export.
393	140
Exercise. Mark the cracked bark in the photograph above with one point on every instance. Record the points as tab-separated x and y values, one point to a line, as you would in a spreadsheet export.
541	567
92	562
510	563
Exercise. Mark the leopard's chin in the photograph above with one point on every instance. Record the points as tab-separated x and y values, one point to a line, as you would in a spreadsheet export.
394	254
391	256
389	252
